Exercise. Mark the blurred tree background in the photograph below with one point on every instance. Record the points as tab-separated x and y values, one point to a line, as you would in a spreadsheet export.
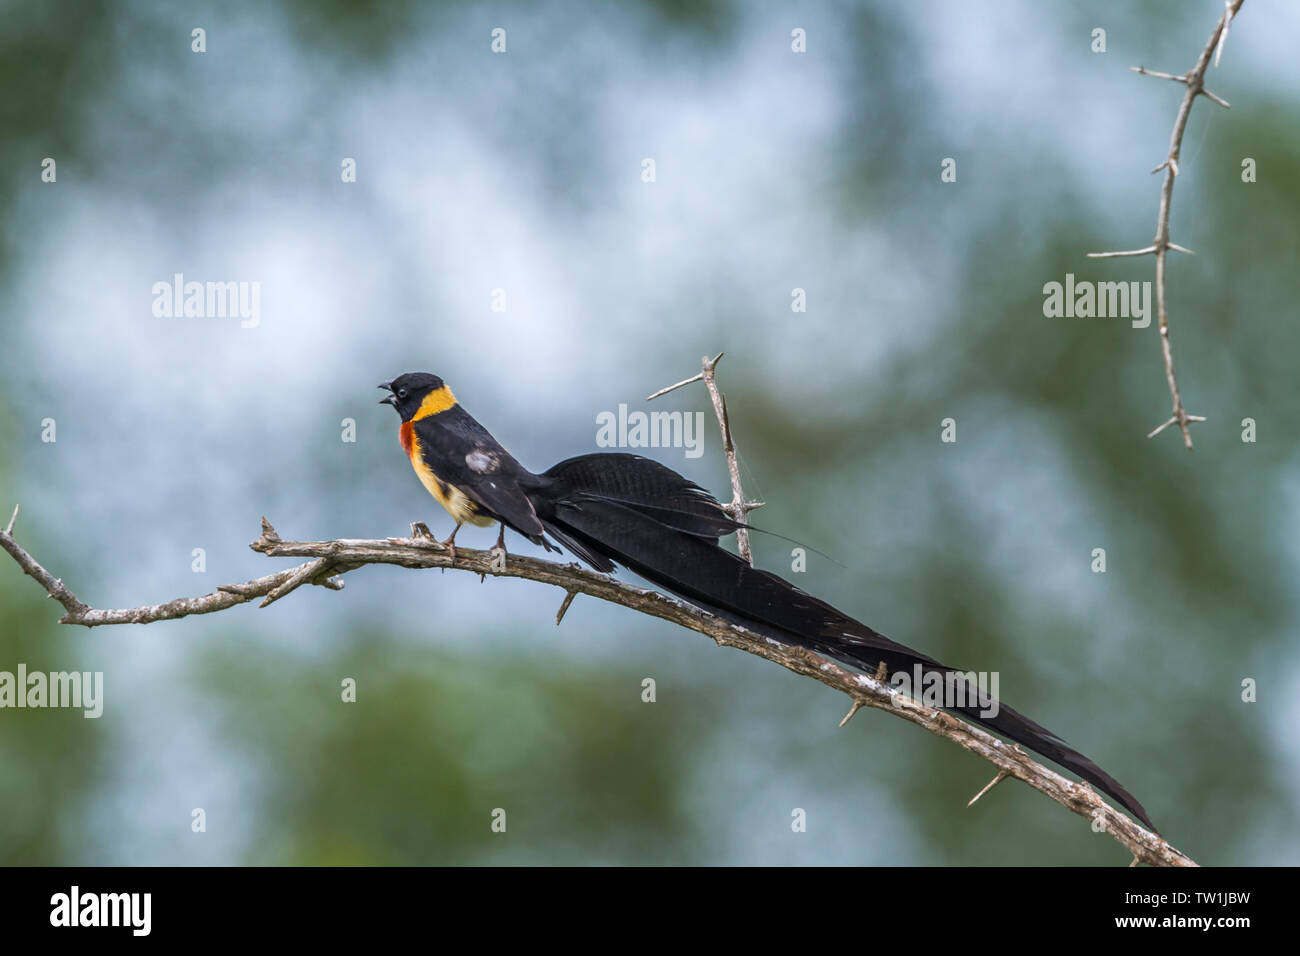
522	171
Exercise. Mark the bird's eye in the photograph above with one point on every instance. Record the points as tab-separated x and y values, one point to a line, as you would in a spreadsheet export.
401	393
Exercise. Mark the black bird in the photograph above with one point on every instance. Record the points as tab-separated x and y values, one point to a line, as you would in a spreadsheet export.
617	509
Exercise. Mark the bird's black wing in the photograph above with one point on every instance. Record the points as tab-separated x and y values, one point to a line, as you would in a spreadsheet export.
464	454
622	509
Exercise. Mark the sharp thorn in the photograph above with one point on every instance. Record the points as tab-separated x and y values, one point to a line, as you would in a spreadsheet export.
1161	427
564	608
1002	775
852	710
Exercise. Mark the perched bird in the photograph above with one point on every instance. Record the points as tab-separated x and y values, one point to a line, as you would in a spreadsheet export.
613	509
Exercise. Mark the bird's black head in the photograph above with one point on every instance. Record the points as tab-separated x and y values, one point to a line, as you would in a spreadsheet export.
409	392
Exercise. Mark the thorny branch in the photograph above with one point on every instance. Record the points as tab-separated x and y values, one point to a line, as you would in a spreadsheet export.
327	561
1194	80
739	508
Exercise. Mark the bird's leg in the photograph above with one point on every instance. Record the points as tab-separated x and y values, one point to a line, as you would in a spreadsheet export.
450	543
499	549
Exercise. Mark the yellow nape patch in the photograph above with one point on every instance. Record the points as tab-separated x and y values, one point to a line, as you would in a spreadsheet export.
439	400
457	503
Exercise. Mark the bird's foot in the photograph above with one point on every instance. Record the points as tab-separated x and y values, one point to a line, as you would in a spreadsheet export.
421	534
498	552
450	544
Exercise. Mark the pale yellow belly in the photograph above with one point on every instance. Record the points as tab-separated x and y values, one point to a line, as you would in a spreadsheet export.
458	505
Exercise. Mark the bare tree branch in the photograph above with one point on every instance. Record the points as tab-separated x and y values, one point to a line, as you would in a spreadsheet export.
328	559
1194	80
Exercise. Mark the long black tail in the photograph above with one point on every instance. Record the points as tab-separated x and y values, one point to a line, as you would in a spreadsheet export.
624	509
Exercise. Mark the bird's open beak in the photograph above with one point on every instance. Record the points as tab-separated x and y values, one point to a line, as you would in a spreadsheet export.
387	399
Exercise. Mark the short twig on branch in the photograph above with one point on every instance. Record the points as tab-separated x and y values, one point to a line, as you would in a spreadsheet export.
1194	80
739	508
